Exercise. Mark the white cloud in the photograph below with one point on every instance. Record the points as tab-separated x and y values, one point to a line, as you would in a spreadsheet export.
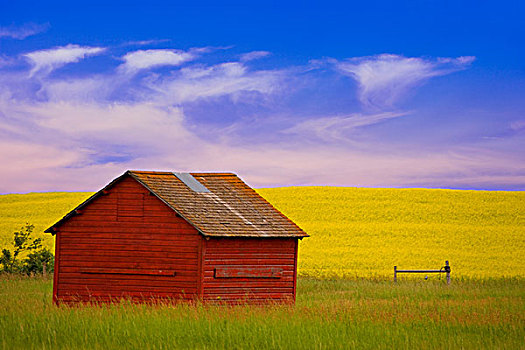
78	133
188	84
384	79
47	60
185	85
33	163
16	154
231	79
40	138
80	90
336	128
99	125
79	146
23	31
145	42
145	59
254	55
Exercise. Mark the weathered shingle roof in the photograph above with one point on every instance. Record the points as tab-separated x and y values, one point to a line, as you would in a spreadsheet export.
230	208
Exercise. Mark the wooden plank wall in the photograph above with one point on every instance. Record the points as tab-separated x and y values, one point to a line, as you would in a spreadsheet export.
243	256
127	244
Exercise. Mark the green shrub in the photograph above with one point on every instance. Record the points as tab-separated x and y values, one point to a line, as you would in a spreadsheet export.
38	260
41	261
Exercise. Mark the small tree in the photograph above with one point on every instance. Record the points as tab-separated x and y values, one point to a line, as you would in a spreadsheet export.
40	261
23	242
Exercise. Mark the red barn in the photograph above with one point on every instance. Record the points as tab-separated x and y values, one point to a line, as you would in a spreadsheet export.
150	235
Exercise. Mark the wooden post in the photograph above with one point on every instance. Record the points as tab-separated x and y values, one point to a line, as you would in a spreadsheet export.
395	273
447	266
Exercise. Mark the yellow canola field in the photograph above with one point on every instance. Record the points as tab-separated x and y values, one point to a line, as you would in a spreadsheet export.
361	232
39	209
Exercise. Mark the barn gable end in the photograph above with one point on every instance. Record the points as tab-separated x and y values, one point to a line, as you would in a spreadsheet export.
126	243
171	235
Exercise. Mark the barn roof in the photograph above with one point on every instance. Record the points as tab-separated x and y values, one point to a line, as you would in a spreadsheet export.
216	204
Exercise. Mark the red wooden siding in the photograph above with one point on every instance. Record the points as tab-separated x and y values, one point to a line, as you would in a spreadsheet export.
238	269
126	243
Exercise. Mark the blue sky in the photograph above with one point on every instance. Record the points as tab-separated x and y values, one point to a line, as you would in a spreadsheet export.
376	94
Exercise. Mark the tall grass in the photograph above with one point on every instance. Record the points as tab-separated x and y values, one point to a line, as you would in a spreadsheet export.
361	314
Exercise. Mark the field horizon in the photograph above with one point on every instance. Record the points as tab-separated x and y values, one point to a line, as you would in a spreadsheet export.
359	232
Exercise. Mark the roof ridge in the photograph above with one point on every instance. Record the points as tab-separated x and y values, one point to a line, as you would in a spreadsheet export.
228	210
192	173
214	174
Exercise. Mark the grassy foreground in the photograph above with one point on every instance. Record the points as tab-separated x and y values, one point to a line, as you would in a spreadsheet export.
361	232
337	314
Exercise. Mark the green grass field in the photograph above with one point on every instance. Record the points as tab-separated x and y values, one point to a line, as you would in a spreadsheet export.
338	314
345	296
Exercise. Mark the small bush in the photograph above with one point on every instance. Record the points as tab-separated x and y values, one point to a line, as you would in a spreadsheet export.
38	260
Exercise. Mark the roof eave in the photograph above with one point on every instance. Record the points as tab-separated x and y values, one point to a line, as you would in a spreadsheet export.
73	212
53	229
257	236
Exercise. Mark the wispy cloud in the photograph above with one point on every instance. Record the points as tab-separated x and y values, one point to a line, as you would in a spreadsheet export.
337	128
71	146
384	79
183	86
78	131
45	61
146	59
254	55
231	78
145	42
140	124
22	31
